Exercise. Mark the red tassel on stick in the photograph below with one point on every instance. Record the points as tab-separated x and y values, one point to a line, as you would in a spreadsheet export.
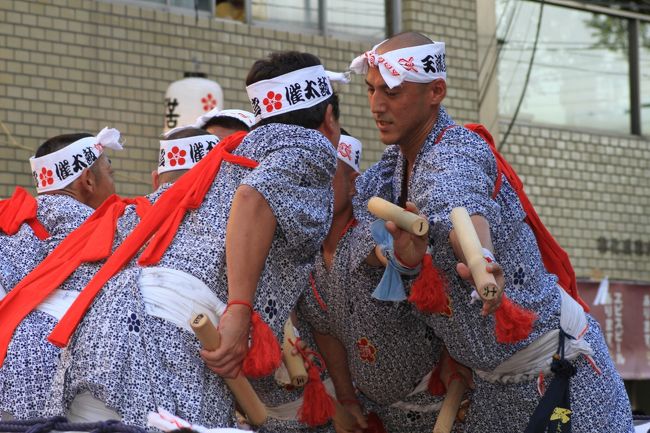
513	323
264	355
317	406
428	292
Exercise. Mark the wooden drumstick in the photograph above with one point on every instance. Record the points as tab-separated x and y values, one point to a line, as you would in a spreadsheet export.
294	363
450	406
240	387
486	285
404	219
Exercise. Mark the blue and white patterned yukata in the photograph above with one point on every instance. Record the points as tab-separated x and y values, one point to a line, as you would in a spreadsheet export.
460	170
29	366
135	362
389	350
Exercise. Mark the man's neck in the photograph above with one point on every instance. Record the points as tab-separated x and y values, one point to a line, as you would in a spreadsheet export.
411	147
339	221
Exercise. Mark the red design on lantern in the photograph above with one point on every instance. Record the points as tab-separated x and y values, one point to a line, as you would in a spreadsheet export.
46	177
272	101
176	156
367	351
209	102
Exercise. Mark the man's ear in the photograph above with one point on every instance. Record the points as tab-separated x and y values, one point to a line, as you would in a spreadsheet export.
87	182
155	179
438	89
330	126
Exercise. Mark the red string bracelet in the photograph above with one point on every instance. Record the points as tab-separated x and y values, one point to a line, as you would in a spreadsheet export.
237	302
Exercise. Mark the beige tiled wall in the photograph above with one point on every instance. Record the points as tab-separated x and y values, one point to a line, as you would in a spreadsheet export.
586	186
78	65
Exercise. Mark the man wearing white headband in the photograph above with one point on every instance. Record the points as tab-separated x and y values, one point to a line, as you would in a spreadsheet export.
221	123
181	150
225	122
440	166
73	176
273	219
374	344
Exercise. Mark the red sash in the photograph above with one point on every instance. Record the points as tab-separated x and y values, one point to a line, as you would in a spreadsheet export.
555	259
90	242
159	226
20	208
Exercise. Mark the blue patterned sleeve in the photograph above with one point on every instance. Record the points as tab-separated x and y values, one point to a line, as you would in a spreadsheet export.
295	178
458	171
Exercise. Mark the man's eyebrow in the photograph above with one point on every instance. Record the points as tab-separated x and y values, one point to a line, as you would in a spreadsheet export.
381	86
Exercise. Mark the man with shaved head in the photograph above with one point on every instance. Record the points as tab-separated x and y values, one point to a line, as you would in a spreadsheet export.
555	374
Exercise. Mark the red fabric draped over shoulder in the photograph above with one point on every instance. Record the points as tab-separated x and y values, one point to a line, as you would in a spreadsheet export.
20	209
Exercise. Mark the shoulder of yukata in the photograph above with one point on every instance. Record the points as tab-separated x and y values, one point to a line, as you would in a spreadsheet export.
470	145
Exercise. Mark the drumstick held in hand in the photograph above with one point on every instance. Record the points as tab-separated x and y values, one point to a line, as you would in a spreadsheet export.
404	219
240	387
486	285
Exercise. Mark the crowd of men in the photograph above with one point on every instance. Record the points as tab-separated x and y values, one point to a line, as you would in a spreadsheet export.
258	218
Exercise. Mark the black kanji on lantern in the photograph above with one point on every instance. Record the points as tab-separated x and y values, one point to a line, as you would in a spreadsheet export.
293	92
170	116
78	164
196	152
62	169
310	91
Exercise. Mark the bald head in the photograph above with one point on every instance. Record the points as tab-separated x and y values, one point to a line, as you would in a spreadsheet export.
403	40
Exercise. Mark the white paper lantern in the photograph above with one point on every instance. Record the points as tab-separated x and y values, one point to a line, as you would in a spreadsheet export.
187	99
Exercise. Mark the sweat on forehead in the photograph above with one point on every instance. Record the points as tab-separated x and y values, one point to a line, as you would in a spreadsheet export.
403	40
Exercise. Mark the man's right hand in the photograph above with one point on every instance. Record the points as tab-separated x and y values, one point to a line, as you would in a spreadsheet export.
234	327
357	412
409	247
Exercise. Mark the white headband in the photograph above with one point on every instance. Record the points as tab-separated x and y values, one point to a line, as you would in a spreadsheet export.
349	151
419	64
246	117
184	153
296	90
59	169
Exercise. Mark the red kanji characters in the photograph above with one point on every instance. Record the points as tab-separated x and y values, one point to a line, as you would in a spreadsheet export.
408	64
345	150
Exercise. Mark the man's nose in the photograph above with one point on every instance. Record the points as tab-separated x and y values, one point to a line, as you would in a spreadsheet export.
377	103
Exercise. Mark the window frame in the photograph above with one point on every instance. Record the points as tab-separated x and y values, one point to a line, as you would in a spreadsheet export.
393	22
633	54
